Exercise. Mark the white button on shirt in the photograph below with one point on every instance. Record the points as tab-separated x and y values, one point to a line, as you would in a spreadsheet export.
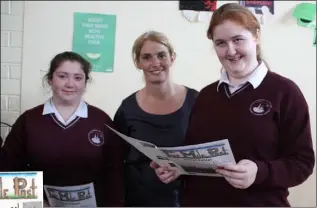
81	111
254	79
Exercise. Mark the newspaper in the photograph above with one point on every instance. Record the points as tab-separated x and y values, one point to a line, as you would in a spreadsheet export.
200	159
71	196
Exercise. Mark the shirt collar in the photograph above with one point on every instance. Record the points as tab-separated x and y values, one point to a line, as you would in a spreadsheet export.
81	111
255	78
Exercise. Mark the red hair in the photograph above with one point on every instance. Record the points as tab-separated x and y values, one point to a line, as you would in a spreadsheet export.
238	14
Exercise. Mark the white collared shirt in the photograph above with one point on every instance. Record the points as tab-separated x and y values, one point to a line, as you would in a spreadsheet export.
255	78
81	111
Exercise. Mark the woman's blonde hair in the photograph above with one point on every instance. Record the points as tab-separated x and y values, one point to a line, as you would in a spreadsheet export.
151	36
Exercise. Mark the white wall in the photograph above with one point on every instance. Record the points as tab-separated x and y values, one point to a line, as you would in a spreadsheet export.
48	31
11	58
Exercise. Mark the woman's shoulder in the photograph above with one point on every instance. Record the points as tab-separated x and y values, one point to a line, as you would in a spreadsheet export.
128	102
191	93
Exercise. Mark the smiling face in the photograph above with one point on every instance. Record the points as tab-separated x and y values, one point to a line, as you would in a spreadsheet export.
155	61
235	33
236	48
68	82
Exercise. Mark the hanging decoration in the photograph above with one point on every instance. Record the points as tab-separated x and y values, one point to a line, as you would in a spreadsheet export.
305	13
263	10
197	11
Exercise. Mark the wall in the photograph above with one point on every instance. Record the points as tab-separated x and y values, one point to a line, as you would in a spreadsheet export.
11	59
48	31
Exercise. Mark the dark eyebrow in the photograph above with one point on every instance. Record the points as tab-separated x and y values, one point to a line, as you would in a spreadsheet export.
234	37
162	52
65	73
148	54
237	36
61	72
79	75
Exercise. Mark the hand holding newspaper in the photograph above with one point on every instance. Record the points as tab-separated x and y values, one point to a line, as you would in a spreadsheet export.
200	159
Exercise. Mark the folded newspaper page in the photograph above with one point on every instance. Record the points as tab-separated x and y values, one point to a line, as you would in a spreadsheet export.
71	196
200	159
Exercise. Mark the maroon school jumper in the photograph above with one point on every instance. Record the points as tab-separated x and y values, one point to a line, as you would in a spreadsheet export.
269	125
67	155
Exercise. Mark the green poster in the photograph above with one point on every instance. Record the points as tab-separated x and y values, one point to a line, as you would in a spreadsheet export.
94	39
314	41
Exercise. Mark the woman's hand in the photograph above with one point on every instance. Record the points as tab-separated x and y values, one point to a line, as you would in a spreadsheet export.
240	175
164	173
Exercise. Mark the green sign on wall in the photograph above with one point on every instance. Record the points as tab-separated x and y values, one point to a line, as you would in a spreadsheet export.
314	42
94	39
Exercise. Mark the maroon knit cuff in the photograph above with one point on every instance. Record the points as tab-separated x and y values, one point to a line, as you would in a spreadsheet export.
262	173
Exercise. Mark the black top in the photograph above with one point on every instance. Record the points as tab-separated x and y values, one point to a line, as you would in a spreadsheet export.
143	188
